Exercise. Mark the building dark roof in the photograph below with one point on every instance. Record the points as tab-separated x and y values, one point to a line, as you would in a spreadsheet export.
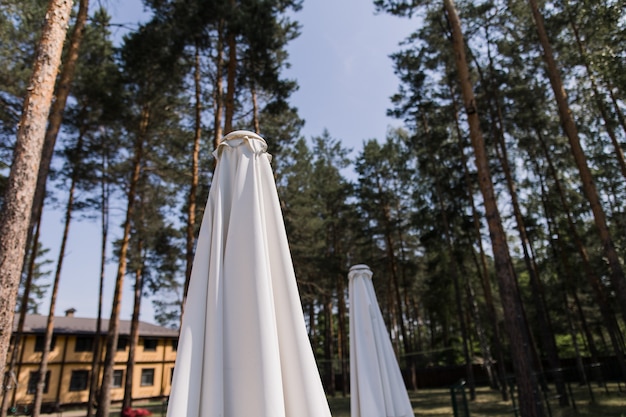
77	325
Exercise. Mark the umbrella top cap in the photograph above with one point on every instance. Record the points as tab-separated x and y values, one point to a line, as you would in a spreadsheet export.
360	270
242	134
254	142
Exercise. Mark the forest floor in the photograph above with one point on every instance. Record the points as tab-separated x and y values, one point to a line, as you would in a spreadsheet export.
610	401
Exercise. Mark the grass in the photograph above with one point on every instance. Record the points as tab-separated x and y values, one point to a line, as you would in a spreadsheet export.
488	403
609	402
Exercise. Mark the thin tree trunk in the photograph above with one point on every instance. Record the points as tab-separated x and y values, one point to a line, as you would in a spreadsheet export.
20	189
104	401
43	367
218	91
598	290
619	154
454	272
545	324
618	281
343	351
229	110
127	402
55	119
193	189
328	346
521	355
618	110
546	331
97	350
255	110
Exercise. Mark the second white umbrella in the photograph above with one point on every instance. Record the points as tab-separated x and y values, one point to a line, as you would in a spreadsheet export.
376	384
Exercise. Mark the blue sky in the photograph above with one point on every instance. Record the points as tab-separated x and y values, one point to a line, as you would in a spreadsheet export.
341	63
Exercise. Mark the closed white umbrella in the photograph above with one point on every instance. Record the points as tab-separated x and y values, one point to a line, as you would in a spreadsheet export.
243	349
376	385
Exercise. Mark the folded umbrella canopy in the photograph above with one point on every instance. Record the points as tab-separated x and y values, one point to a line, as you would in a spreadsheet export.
376	385
243	349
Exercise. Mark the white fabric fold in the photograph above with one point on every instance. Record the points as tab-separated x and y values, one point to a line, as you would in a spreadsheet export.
377	388
243	349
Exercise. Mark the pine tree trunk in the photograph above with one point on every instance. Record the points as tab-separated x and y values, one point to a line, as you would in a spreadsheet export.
193	189
618	281
454	272
104	401
608	124
229	110
134	331
529	399
328	346
492	316
255	110
97	350
43	367
10	374
546	331
597	287
218	92
18	199
343	351
58	108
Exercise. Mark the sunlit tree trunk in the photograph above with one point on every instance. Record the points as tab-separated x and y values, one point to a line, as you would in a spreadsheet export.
10	374
521	354
20	189
58	108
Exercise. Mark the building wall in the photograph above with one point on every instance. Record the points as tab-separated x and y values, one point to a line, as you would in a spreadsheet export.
64	361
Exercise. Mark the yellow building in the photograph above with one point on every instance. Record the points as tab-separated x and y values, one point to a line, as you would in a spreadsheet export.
69	363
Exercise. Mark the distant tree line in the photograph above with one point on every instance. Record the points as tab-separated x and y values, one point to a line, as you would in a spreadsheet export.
493	219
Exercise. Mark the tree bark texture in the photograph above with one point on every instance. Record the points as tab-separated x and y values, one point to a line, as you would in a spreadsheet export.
18	201
529	399
193	187
55	118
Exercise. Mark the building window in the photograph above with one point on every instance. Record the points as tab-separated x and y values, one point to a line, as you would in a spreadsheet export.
118	377
171	375
150	344
83	344
174	345
79	379
32	382
122	342
39	342
147	377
